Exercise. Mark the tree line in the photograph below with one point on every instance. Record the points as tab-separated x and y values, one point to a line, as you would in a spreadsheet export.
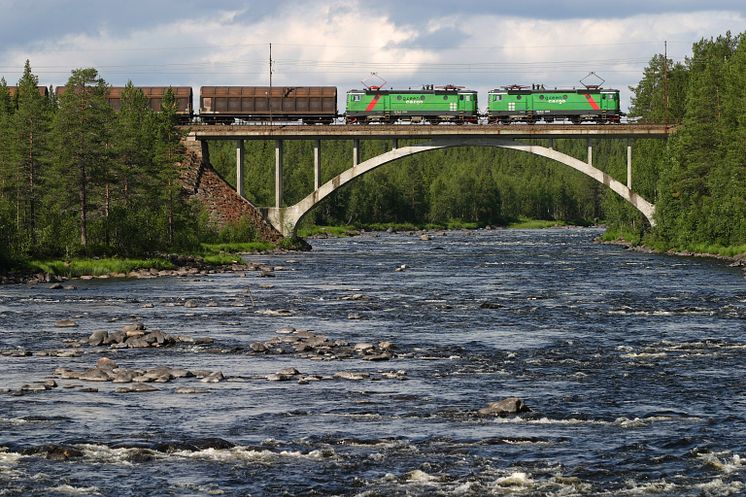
76	178
698	175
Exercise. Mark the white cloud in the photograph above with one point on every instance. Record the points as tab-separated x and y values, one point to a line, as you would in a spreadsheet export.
339	42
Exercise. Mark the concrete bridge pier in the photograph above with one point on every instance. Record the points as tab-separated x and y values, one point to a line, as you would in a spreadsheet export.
629	164
355	152
316	164
278	174
239	167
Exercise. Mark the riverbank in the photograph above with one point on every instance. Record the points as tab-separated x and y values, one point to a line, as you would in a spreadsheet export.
214	258
734	255
319	231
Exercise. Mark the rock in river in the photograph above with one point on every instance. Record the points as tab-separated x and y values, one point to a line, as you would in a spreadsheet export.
504	407
65	323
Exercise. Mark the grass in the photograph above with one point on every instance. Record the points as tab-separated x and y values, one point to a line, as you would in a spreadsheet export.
634	239
525	223
704	248
334	231
96	267
236	247
214	254
629	236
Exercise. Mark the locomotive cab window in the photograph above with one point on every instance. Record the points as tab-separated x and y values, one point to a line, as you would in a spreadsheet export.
356	98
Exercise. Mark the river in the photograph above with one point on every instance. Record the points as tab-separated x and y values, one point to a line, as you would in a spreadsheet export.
632	364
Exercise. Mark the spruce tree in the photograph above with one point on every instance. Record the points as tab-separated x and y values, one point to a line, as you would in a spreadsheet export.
31	126
169	153
7	215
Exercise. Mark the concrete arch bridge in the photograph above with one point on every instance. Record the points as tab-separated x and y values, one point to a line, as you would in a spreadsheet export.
284	220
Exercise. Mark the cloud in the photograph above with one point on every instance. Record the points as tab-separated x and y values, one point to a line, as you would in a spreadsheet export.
475	43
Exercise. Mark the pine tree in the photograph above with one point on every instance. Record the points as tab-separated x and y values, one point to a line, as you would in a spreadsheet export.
82	126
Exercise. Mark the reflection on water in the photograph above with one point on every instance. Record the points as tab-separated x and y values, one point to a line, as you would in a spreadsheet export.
631	363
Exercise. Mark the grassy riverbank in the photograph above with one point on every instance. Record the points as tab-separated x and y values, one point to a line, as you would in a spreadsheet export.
352	230
211	254
634	239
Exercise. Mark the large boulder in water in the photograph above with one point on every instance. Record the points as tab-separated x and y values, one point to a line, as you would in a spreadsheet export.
505	407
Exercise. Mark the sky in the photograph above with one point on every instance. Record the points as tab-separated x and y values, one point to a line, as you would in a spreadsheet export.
479	44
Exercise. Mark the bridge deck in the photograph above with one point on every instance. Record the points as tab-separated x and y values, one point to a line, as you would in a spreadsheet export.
373	131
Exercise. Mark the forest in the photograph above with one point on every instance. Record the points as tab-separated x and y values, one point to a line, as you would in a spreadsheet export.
77	178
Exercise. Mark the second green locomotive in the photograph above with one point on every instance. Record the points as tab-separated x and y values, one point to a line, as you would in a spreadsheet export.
521	104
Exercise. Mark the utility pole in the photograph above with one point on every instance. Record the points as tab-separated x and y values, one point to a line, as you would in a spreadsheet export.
665	82
270	85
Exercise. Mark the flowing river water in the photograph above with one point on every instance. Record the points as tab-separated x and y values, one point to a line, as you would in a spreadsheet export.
632	364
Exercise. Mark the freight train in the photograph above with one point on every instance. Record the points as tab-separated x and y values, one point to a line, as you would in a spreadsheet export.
377	105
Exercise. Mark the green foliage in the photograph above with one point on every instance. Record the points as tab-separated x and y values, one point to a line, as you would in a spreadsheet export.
702	193
238	232
236	247
332	231
76	177
96	267
525	223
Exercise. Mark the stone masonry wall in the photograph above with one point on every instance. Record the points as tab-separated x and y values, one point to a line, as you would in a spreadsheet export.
222	202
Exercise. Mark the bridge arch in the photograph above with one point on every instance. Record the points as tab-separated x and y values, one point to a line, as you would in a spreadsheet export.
286	219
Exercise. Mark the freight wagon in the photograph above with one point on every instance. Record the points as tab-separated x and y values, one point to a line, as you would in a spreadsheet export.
520	104
154	94
430	104
43	90
309	104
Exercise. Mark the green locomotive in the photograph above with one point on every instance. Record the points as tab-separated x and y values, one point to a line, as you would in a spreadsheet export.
521	104
432	104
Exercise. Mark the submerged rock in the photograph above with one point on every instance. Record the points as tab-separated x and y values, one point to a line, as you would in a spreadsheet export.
190	390
215	377
351	375
65	323
137	388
